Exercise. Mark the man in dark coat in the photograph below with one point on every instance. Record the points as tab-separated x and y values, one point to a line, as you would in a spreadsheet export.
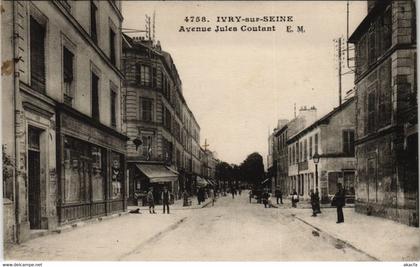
151	200
265	197
318	205
279	195
166	198
313	203
339	201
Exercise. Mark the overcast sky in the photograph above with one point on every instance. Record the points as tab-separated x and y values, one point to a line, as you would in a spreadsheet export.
239	84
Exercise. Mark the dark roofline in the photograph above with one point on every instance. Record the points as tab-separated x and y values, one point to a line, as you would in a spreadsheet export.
161	54
373	13
279	131
324	120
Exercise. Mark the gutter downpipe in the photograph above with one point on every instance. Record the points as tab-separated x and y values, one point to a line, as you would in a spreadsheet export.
15	35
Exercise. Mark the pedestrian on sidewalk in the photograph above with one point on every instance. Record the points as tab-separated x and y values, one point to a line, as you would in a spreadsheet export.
151	200
232	190
317	201
166	198
250	195
279	196
313	203
185	198
199	196
295	198
212	196
339	201
265	197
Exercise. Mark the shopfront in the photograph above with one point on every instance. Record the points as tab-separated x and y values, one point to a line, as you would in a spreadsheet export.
91	168
144	176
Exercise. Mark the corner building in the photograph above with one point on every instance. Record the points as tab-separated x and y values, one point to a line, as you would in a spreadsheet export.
163	149
386	110
66	135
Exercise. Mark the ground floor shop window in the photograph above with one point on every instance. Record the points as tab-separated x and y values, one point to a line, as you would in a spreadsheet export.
76	170
84	171
116	175
98	173
333	178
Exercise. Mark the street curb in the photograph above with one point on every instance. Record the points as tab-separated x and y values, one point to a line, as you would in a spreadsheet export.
66	228
70	227
336	239
153	238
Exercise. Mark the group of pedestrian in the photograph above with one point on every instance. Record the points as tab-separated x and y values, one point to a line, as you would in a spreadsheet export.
165	196
338	201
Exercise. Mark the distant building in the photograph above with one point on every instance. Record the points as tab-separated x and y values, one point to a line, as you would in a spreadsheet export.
332	138
279	147
163	149
62	121
386	113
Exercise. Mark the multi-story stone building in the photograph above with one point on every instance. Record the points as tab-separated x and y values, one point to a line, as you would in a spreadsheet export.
62	129
386	109
163	149
279	146
332	138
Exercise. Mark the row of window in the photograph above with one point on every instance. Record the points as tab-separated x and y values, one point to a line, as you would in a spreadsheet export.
298	151
373	44
146	113
304	183
38	67
148	76
378	99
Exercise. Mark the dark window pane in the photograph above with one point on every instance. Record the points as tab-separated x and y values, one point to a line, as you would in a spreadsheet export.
95	96
93	12
37	49
113	109
112	45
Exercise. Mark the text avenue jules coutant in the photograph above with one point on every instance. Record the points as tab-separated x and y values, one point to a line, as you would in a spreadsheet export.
229	24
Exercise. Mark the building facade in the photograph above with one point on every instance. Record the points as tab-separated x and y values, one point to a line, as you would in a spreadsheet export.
332	138
386	108
163	149
280	149
65	137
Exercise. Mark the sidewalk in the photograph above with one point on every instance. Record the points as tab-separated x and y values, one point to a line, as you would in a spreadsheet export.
109	241
380	238
178	205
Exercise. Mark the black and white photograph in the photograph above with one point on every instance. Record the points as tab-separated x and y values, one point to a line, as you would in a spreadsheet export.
209	131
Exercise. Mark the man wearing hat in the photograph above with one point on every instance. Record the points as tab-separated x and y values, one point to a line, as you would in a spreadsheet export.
151	200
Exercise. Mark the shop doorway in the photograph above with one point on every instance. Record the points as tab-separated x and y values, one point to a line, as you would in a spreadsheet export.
34	178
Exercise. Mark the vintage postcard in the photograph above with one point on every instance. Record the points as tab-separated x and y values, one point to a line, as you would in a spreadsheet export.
280	131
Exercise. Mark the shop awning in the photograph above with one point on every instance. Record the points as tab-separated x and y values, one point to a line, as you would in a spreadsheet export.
201	182
158	173
211	182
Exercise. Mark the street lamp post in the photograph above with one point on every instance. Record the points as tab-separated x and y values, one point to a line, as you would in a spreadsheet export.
315	158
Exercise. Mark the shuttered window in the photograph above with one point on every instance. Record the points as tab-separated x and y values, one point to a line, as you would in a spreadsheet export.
37	49
68	75
93	26
371	111
146	109
95	96
112	46
154	77
310	147
348	142
113	108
